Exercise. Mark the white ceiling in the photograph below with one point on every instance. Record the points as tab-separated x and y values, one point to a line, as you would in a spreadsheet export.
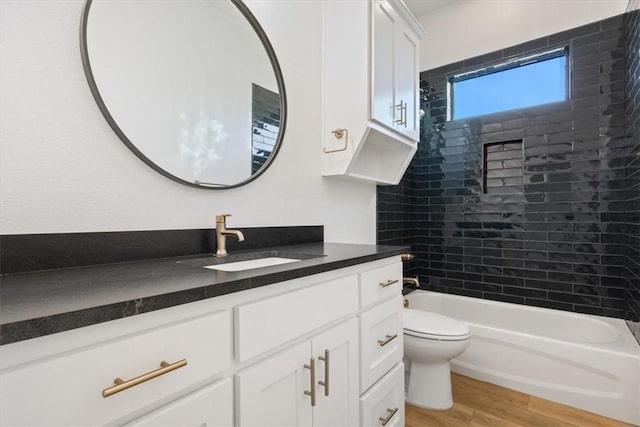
420	7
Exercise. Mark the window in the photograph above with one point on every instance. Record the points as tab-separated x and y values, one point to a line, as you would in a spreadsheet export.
524	82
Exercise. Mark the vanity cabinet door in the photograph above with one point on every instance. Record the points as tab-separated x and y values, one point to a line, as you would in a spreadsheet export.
337	349
211	406
272	392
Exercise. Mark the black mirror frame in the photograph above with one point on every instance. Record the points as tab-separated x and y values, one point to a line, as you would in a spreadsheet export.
112	123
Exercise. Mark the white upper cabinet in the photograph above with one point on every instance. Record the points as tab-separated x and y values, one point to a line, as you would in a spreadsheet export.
395	75
371	83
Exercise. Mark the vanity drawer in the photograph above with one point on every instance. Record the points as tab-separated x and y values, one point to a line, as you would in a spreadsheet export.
68	389
385	401
212	406
268	323
381	341
380	283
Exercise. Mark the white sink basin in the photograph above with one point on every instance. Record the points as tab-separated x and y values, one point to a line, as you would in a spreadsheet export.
250	264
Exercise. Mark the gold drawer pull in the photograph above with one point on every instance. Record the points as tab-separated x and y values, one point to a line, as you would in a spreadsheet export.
391	413
312	367
388	340
325	383
388	283
121	385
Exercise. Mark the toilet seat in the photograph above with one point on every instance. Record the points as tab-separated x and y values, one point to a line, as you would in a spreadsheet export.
423	324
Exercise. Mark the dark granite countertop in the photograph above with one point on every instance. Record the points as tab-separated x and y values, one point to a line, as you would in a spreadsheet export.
41	303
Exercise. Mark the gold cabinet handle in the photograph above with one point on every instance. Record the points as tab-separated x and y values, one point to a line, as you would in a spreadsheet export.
325	383
390	338
388	283
312	367
121	385
390	414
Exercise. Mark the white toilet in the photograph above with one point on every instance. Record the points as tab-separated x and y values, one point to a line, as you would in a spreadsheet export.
430	342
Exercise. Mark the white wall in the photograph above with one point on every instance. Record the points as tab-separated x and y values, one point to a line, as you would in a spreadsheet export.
467	28
62	169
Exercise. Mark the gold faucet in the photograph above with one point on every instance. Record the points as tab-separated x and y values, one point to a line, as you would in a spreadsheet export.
222	233
413	280
407	257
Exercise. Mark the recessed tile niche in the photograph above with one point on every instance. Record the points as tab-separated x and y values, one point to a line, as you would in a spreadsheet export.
502	167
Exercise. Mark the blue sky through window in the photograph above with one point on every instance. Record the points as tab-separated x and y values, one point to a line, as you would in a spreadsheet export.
532	84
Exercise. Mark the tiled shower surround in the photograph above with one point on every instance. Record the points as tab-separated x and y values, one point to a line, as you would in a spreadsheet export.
550	226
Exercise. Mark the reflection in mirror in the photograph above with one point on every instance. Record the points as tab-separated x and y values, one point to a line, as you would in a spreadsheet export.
266	124
192	87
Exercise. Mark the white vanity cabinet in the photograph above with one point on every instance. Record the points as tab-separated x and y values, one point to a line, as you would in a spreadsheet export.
371	88
256	357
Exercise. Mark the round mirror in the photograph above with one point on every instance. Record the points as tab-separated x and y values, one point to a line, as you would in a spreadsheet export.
192	87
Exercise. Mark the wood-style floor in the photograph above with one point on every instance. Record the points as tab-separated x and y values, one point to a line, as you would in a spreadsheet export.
480	404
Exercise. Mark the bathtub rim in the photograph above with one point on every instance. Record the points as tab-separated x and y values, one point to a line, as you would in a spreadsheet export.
625	344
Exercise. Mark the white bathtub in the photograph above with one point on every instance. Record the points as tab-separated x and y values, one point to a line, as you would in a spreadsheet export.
588	362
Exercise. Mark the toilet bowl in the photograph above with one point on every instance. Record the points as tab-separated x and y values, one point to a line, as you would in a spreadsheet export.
430	342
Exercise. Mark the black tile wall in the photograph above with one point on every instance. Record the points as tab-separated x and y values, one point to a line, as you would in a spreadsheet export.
632	225
550	232
396	217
